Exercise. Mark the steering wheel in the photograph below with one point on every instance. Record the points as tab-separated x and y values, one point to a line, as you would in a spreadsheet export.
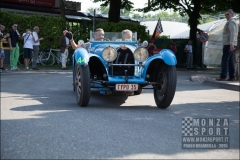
106	39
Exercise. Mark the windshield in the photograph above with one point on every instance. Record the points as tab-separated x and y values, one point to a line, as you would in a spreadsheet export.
113	36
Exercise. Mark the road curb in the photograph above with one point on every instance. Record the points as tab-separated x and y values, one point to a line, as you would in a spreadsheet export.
211	81
228	86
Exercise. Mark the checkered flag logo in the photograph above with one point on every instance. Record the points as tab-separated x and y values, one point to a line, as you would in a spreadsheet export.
187	129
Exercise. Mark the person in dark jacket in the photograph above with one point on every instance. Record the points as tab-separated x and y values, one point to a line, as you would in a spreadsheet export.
64	44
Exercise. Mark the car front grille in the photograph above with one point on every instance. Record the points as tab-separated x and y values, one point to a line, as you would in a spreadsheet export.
123	57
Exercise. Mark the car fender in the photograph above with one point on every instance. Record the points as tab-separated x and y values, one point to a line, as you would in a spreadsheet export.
81	56
101	60
166	55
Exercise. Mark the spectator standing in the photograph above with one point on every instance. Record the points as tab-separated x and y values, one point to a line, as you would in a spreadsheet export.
27	47
13	46
2	39
36	45
64	44
174	47
189	54
230	33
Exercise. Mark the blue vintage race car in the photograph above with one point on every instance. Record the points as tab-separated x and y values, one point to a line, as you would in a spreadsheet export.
123	66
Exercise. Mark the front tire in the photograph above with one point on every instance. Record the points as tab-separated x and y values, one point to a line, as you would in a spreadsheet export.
165	90
82	85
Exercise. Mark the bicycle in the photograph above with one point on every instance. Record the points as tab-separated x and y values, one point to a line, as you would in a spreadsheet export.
48	58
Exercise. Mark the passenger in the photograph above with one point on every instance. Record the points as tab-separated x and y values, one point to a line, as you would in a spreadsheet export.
126	35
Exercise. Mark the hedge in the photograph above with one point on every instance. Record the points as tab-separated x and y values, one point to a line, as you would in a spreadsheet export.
51	27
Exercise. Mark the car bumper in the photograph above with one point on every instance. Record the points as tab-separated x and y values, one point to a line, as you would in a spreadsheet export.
122	79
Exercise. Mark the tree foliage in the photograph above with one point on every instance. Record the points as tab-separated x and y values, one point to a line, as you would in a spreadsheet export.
50	27
192	8
100	10
114	8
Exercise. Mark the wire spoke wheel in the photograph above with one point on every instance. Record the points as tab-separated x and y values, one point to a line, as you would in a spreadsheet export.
82	85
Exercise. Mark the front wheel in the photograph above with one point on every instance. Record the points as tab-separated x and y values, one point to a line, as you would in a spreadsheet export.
82	85
47	59
165	89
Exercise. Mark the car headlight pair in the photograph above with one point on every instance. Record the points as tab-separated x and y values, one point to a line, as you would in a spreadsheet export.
109	54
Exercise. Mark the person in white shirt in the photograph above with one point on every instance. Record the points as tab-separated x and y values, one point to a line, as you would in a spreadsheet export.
27	47
188	50
36	45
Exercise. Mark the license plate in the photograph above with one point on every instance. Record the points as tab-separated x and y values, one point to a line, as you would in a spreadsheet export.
126	87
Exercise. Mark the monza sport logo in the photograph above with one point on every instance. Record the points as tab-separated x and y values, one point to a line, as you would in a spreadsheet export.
205	133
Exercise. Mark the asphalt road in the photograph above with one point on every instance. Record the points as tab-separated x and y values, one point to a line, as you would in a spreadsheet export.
41	120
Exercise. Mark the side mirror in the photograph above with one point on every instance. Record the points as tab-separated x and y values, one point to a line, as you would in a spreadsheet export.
144	44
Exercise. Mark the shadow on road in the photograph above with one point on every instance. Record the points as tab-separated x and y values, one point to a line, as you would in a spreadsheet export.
45	122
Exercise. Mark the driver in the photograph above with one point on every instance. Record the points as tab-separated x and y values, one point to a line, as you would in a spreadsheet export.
98	36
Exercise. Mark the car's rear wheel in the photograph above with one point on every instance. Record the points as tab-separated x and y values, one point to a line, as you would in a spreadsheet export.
164	91
82	85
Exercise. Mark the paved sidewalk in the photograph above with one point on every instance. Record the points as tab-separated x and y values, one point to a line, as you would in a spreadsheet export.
209	76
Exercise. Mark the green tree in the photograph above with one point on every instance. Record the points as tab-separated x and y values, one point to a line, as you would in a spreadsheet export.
192	8
114	8
101	10
104	9
137	16
124	12
91	10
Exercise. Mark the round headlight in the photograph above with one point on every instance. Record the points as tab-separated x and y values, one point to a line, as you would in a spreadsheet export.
141	54
109	54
